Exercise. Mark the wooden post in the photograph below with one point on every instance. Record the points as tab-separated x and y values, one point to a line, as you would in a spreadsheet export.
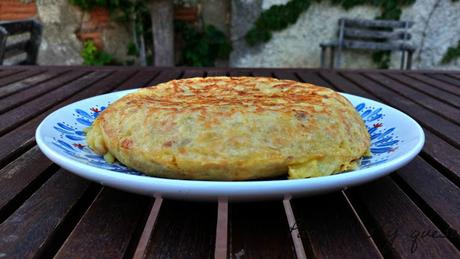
162	15
3	35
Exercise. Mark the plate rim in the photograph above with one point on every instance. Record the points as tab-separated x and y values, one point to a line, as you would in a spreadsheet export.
198	189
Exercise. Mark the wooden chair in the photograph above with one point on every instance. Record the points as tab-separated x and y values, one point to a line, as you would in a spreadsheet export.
373	35
29	46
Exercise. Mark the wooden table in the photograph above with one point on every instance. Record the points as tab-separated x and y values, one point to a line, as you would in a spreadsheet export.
46	211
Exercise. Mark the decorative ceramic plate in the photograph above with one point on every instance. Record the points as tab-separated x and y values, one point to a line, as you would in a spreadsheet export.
396	139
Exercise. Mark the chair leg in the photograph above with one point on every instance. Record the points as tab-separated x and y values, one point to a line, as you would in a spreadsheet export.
338	59
331	64
323	54
403	57
409	60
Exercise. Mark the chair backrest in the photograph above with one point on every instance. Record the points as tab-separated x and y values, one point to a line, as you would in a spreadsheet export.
29	45
374	34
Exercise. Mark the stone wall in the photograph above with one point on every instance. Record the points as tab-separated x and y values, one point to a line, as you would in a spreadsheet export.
60	45
65	27
436	28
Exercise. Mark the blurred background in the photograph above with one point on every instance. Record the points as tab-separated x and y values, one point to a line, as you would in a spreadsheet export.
235	33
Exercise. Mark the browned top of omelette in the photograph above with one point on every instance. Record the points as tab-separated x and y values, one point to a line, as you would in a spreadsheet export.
232	128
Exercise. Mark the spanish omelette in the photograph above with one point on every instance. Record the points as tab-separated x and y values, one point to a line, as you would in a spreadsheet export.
232	128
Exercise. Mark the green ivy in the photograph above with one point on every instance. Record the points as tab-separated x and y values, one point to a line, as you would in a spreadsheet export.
451	54
279	17
94	57
119	10
202	47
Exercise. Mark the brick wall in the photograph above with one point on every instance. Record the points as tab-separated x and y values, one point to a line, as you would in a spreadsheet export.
92	26
16	10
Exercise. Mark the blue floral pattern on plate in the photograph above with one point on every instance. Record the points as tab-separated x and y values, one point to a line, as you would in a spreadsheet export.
72	142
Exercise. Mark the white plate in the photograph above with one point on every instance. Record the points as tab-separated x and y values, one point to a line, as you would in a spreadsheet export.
396	139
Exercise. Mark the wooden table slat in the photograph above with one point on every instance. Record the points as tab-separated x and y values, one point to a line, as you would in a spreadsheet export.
217	73
28	83
29	230
193	73
338	83
286	75
446	79
20	174
443	109
5	73
427	79
23	136
456	76
166	76
144	240
263	73
259	230
443	153
331	214
446	129
19	76
17	99
399	227
184	230
237	73
434	92
24	112
108	226
313	78
138	80
444	200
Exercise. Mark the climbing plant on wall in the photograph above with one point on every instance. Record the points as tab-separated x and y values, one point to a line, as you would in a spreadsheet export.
279	17
451	54
202	45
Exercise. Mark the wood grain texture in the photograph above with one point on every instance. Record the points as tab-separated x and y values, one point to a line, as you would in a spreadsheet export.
443	153
144	240
446	79
427	89
138	80
221	251
22	113
27	83
330	229
435	192
259	230
193	73
443	109
399	227
184	230
23	136
217	73
286	75
166	76
237	73
427	79
28	231
16	99
444	128
107	227
263	73
19	76
313	78
20	173
454	75
5	73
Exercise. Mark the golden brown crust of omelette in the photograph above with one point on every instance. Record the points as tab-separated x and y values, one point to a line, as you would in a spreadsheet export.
232	128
